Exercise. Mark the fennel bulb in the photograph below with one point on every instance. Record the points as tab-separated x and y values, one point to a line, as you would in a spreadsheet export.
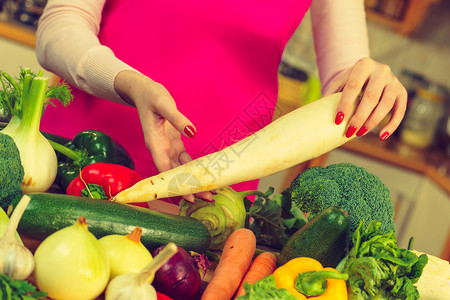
24	100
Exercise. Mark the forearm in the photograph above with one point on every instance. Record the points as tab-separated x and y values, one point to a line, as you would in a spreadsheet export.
67	45
340	36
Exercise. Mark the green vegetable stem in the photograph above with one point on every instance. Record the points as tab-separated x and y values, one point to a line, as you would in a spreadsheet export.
315	283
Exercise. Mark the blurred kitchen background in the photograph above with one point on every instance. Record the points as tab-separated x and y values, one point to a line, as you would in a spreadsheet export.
413	38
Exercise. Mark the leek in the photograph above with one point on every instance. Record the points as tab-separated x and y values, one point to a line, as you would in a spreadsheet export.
23	101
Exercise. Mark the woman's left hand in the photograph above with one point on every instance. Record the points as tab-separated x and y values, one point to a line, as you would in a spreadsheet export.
382	92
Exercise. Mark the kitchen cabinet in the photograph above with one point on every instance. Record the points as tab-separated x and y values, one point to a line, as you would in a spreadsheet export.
429	221
402	16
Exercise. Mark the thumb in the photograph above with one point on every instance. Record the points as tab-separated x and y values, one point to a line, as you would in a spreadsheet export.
336	83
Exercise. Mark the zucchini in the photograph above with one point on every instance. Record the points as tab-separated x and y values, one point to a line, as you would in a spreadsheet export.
324	238
48	212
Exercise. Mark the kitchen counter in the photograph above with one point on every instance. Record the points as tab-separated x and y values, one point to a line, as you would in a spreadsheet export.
17	32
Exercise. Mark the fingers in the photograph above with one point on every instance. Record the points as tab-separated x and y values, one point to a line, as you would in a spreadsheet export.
168	152
161	122
357	77
398	112
165	106
207	196
382	93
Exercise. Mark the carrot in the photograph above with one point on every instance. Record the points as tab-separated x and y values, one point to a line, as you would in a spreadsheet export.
296	137
263	265
237	255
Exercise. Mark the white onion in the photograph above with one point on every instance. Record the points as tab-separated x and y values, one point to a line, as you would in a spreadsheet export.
71	264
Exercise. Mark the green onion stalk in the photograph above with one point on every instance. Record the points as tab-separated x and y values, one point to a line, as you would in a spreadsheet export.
223	216
23	101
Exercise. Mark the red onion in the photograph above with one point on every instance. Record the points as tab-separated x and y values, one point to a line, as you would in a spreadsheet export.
179	277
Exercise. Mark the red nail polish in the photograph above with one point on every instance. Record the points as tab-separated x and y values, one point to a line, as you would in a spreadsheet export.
384	136
189	131
350	131
339	118
361	131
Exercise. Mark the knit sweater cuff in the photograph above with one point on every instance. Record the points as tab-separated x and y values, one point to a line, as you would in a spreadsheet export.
96	72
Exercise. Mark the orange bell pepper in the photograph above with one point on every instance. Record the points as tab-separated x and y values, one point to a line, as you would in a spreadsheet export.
318	283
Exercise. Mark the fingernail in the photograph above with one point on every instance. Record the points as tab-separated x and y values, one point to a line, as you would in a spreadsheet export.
361	131
339	118
350	131
211	200
189	131
384	136
189	198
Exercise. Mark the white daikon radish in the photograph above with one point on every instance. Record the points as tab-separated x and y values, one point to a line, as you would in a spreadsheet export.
298	136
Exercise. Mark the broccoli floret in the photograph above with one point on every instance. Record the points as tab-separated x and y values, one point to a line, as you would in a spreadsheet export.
11	171
350	187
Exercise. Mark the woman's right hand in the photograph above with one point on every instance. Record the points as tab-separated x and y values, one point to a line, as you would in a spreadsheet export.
161	121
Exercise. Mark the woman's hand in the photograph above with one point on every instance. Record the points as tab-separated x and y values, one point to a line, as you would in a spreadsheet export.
161	121
382	92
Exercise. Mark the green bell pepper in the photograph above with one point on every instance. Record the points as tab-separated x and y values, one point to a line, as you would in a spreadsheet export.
87	147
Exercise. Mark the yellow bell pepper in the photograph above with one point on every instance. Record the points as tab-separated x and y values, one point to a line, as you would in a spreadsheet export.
318	283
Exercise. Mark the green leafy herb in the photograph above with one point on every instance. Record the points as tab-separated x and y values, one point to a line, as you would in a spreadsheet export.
18	290
265	288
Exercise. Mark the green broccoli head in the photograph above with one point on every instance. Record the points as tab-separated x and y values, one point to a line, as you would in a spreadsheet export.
352	188
11	171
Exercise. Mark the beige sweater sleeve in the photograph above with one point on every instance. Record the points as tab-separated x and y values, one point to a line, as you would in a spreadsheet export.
340	36
67	45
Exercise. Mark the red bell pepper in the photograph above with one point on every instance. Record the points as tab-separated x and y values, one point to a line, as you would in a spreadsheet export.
103	181
162	296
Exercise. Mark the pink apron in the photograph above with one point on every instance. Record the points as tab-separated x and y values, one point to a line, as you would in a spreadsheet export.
218	59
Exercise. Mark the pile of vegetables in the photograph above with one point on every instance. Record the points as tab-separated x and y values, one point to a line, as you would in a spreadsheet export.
374	268
71	263
330	235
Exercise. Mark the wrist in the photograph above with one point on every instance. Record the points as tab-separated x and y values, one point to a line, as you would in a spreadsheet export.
123	85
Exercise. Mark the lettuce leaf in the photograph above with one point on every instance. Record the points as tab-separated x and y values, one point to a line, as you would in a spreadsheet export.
378	268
